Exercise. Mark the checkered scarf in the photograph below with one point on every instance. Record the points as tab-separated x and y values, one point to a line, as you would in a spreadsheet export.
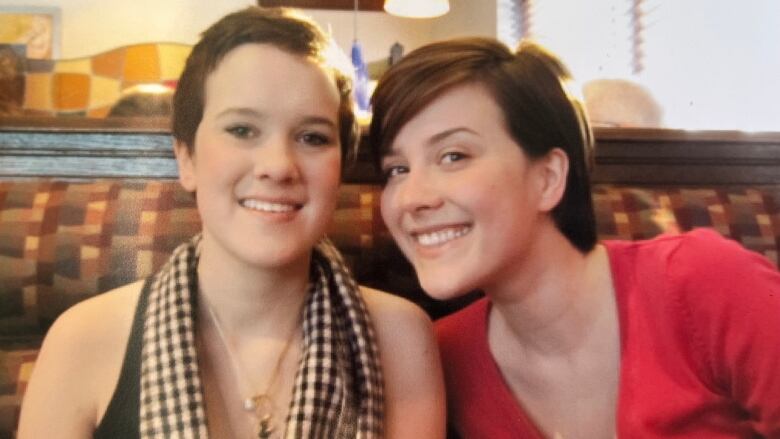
338	385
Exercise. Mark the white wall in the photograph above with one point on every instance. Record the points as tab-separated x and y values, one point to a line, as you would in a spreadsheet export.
592	38
466	18
711	64
716	63
93	26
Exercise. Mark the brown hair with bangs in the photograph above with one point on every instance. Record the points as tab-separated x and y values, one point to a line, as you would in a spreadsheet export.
528	85
283	28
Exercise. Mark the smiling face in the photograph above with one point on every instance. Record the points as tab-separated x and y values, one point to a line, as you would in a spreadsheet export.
462	200
266	161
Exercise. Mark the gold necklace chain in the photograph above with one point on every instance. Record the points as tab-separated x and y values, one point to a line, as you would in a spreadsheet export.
260	404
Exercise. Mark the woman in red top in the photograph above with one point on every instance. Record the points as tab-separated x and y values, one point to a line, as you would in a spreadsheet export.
486	157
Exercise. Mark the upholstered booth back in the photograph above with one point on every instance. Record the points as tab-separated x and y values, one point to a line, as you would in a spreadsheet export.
84	212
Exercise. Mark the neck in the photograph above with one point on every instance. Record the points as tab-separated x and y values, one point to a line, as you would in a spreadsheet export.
557	301
249	299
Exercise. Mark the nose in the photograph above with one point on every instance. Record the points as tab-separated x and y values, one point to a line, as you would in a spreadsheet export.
276	160
418	192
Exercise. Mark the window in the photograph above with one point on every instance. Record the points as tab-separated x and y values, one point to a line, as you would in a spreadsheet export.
710	64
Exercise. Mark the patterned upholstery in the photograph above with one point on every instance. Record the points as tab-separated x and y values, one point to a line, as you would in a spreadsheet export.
15	369
61	242
750	215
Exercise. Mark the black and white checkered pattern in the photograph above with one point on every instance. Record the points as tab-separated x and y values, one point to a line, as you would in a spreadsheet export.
338	389
171	392
338	386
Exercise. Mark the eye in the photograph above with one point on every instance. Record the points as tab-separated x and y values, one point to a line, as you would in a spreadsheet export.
388	172
241	131
315	139
452	156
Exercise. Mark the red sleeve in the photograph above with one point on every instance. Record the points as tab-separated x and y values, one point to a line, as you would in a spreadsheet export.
733	298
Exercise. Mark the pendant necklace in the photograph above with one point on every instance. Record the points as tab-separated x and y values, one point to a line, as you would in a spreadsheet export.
260	404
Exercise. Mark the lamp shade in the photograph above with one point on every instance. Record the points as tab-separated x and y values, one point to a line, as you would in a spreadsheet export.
417	8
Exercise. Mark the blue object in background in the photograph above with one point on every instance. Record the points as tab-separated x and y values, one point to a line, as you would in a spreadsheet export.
361	77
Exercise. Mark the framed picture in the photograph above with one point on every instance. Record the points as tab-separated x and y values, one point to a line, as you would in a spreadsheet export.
38	28
363	5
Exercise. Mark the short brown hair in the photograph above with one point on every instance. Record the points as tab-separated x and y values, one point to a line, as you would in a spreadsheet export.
529	87
281	27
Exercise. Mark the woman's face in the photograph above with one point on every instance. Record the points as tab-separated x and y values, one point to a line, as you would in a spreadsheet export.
462	200
266	162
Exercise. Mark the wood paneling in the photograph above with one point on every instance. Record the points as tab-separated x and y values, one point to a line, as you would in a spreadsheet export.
677	157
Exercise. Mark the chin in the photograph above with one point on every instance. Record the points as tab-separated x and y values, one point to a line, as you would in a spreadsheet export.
280	257
270	255
443	287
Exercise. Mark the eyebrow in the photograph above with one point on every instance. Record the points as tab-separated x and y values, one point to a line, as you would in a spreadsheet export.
438	137
251	112
245	111
319	120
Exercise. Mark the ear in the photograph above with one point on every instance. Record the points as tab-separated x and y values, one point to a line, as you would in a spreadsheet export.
553	170
186	165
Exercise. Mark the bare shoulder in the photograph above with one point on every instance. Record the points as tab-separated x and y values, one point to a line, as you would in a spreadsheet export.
402	327
96	323
389	309
78	365
414	387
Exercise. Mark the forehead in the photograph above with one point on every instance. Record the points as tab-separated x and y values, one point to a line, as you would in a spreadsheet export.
468	105
252	72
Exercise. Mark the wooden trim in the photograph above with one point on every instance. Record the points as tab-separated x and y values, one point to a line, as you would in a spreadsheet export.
666	134
78	155
86	124
91	149
660	157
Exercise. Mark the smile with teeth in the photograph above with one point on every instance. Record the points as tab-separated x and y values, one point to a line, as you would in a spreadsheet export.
265	206
440	237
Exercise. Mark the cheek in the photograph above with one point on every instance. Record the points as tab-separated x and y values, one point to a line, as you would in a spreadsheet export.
475	191
215	162
500	183
387	207
325	175
331	170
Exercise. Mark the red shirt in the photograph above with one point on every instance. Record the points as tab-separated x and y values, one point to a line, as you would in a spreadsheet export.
700	346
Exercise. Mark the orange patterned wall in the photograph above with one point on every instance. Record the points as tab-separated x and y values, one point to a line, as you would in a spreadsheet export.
90	86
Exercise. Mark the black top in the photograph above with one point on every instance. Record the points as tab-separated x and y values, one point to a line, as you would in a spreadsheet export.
121	419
